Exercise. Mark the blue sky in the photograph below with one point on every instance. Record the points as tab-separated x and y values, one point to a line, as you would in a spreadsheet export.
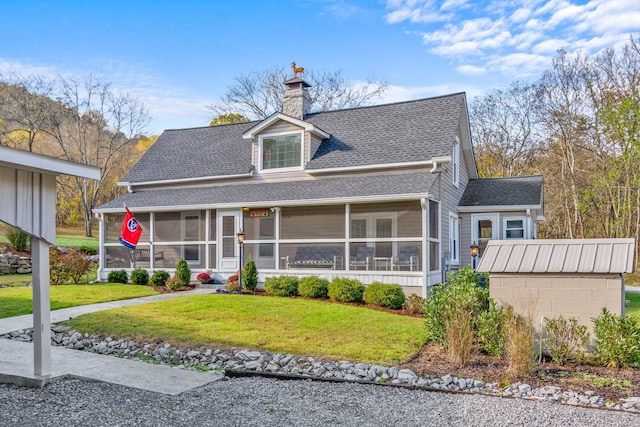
179	56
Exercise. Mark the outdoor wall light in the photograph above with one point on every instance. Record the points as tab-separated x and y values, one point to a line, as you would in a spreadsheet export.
474	253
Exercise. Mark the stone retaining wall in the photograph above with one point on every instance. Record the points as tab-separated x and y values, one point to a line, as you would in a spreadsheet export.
14	264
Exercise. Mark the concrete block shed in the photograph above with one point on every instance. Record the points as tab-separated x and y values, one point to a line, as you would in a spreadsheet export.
568	277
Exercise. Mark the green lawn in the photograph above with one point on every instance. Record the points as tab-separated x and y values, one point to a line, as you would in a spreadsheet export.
69	237
634	304
15	301
284	325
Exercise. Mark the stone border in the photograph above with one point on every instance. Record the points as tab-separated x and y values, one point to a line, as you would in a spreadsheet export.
243	362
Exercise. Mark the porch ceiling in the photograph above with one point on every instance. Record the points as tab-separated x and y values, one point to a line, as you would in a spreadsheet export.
319	191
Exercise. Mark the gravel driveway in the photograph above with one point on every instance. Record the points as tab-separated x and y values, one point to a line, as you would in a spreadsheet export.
269	402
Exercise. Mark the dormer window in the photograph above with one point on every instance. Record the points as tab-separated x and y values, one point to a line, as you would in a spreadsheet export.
281	151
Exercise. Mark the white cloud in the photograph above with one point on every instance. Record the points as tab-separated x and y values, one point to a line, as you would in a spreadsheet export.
519	65
402	93
471	70
515	36
416	11
549	46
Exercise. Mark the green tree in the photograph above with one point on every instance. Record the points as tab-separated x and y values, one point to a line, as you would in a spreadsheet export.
228	119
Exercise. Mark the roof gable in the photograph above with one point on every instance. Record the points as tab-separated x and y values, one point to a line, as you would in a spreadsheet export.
269	121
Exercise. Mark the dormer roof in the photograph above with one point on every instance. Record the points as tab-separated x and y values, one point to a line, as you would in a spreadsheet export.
272	119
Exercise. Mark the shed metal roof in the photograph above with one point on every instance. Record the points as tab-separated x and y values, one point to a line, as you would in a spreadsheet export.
559	256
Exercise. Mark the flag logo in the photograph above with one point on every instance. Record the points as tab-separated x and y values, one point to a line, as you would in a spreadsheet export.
131	230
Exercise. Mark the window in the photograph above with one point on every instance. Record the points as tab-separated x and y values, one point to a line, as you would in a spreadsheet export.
454	237
281	151
514	228
455	163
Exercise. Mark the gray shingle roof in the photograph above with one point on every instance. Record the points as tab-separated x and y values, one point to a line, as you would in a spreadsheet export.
512	191
392	133
328	189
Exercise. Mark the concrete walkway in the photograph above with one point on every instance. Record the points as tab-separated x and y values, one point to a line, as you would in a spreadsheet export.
16	358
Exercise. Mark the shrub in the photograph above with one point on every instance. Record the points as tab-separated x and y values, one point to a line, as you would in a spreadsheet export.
140	276
89	250
158	278
76	264
346	290
117	276
250	276
174	283
519	344
414	304
233	285
313	287
58	270
490	331
183	272
203	277
18	239
383	295
565	338
617	339
282	286
464	292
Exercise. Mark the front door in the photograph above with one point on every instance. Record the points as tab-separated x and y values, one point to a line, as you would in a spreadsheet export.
229	223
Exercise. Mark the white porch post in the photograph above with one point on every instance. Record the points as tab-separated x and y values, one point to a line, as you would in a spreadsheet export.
41	313
425	246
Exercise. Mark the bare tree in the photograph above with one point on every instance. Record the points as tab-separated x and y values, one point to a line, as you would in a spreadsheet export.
24	108
505	130
95	125
259	94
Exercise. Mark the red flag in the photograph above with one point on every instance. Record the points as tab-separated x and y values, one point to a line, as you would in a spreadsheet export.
131	230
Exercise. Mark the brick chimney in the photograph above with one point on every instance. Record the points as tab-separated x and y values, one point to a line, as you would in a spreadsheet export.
296	101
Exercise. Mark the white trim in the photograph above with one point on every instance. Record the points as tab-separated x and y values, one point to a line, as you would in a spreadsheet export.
433	161
454	226
254	131
184	180
273	203
27	160
261	138
497	208
455	163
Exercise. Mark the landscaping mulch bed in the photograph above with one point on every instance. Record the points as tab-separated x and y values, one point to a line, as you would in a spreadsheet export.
609	383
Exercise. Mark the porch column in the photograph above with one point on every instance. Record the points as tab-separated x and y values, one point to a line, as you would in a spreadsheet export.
424	204
347	235
41	313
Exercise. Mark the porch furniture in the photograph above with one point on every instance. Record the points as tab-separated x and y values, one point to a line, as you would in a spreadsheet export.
363	258
407	258
317	257
382	263
144	255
